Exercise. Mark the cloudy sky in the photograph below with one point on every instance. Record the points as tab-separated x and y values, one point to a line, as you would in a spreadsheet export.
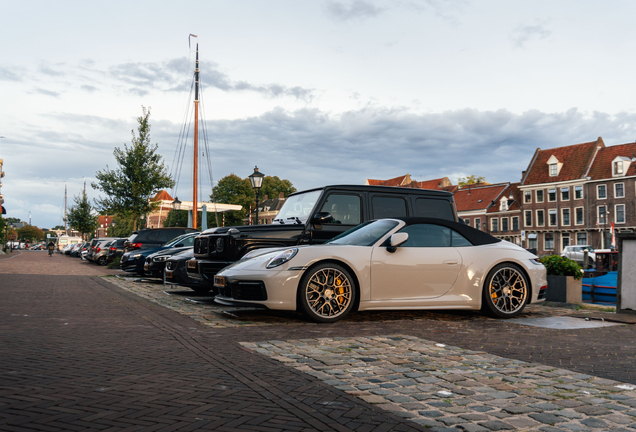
317	92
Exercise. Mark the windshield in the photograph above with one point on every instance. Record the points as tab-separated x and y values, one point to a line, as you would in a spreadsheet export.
297	208
366	234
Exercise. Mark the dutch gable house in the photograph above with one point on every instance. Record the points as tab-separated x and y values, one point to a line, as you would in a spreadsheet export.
485	207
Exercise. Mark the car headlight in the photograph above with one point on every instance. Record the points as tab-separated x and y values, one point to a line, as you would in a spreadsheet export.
282	258
160	258
136	256
535	261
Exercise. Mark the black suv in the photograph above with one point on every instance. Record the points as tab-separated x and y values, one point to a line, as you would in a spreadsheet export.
315	216
153	237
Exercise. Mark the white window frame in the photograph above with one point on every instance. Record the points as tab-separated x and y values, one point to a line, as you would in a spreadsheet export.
527	197
582	212
492	224
526	212
477	223
616	221
563	210
563	237
466	221
577	239
617	164
544	242
616	193
512	227
576	189
555	195
598	188
538	219
556	217
598	215
566	189
554	170
507	223
536	195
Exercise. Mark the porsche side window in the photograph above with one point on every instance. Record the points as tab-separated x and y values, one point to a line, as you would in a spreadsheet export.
427	235
434	208
459	240
344	209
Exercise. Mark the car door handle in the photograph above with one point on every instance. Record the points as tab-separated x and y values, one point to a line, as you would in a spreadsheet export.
451	262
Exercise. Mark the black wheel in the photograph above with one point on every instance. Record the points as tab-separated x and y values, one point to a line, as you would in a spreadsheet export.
102	261
326	293
506	291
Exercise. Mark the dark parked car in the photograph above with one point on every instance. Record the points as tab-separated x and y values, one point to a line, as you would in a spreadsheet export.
156	262
116	249
133	261
313	217
153	237
176	273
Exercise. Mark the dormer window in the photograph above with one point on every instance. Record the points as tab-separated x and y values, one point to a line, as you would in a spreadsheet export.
503	204
620	165
554	166
618	168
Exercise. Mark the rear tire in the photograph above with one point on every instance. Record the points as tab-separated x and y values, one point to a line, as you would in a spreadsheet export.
102	261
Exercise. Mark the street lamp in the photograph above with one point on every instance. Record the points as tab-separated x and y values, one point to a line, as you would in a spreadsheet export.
256	179
176	206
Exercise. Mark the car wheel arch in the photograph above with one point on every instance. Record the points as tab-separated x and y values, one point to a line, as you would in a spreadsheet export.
346	266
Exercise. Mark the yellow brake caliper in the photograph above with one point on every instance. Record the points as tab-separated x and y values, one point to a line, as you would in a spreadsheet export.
339	289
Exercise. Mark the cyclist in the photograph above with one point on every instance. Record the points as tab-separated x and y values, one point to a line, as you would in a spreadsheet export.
51	247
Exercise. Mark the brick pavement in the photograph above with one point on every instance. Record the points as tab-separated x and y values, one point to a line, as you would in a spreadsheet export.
78	352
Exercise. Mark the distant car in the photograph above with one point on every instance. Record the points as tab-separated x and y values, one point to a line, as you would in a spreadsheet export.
93	246
66	250
389	264
156	262
577	253
100	255
153	237
134	260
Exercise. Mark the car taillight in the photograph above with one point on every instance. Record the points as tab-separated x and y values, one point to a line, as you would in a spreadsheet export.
98	249
113	248
134	245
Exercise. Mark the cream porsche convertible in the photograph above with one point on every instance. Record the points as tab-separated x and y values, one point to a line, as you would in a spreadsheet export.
401	263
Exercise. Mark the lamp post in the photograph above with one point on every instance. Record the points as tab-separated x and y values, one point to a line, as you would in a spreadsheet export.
256	179
176	206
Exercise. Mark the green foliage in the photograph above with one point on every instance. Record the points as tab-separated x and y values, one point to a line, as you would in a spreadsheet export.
31	233
58	227
232	189
140	175
12	220
81	216
557	265
470	180
114	263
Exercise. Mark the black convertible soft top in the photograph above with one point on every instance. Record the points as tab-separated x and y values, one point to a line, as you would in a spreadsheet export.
475	236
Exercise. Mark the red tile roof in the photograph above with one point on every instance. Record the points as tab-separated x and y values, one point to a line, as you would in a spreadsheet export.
431	184
575	158
602	165
397	181
512	189
478	197
162	195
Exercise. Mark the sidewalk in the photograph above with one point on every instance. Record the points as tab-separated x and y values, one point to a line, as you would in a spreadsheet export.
78	352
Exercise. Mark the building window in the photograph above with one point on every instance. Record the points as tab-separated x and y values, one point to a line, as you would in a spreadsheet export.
565	194
515	223
600	215
551	195
540	219
554	170
504	224
581	239
467	222
528	218
601	192
478	223
619	190
565	216
618	168
578	192
532	243
548	241
565	240
552	214
540	196
494	225
527	197
579	216
619	211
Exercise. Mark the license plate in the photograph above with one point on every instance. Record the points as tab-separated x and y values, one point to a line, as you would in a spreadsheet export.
169	274
192	264
219	281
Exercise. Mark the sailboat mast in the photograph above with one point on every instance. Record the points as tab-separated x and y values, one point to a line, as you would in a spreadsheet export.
65	219
195	207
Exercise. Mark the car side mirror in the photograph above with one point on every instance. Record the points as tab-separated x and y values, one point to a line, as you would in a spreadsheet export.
396	240
321	218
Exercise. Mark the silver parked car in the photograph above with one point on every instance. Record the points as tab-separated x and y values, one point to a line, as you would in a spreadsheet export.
577	253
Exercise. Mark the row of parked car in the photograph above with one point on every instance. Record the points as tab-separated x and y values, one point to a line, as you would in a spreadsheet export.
101	251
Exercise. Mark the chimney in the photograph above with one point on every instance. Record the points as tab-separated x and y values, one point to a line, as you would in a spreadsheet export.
281	195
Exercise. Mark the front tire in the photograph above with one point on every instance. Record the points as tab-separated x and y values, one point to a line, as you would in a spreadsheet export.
326	293
506	291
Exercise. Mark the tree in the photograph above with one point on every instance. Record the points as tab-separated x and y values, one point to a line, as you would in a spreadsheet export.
140	175
58	227
81	216
12	220
232	189
30	232
470	180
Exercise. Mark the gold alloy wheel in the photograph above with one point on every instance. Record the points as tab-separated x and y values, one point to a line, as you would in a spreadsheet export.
328	292
508	290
